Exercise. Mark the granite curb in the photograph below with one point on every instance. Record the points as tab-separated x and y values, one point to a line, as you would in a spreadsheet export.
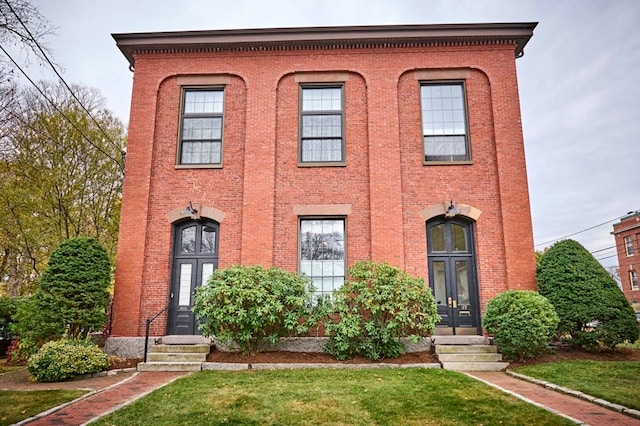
220	366
601	402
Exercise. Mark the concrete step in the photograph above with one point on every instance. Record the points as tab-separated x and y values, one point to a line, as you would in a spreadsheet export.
170	366
181	348
470	357
459	340
475	366
184	340
457	349
176	357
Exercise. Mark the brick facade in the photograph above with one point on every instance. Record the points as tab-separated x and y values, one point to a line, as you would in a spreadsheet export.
383	189
627	237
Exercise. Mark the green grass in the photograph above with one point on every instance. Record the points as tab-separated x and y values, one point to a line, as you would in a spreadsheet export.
614	381
20	405
336	397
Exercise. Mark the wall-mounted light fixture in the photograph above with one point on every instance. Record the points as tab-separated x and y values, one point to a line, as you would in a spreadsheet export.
452	211
190	210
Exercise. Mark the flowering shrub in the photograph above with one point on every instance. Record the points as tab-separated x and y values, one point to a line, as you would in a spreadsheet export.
67	358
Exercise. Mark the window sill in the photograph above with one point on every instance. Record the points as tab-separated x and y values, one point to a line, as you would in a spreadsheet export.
323	164
447	163
198	166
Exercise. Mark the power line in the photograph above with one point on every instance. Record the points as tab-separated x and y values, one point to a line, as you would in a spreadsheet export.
579	232
62	113
44	54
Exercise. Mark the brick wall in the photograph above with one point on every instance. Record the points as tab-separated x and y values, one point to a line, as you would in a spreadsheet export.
382	188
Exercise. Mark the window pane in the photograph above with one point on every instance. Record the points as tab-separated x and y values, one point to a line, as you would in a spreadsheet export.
202	128
321	126
462	280
184	293
439	283
201	152
322	99
188	242
321	150
208	240
207	271
458	238
445	147
437	238
201	101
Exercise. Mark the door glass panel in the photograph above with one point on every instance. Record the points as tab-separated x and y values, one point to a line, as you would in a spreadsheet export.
462	280
437	238
208	240
188	240
458	238
184	293
439	283
207	271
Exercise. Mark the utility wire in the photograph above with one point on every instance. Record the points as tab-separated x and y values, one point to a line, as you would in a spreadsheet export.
580	232
60	111
44	54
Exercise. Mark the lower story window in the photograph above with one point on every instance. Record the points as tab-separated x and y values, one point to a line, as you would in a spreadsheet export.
322	253
633	277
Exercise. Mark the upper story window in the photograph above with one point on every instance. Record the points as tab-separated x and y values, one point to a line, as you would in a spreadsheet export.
322	253
321	124
201	127
628	246
444	122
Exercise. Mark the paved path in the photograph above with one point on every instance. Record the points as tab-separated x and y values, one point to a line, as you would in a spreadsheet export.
107	400
575	408
140	384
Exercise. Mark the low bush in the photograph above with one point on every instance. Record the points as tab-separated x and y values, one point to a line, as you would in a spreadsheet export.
67	358
251	305
523	323
375	308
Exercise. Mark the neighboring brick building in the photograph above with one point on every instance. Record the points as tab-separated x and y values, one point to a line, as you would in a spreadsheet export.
312	148
627	236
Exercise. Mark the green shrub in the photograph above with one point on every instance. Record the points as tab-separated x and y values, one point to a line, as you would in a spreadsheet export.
72	295
592	309
67	358
375	308
251	305
8	308
523	323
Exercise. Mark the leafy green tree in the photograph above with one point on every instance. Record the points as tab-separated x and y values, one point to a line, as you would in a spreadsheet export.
523	322
374	309
251	305
72	295
62	178
592	309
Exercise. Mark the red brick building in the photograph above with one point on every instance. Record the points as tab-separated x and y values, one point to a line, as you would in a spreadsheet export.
312	148
627	236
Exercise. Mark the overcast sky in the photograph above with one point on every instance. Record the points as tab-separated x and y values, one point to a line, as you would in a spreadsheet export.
579	82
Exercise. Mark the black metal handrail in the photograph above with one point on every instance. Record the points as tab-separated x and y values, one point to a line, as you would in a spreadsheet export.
146	331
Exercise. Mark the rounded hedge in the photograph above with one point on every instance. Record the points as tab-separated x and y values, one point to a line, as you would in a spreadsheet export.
523	322
67	358
592	309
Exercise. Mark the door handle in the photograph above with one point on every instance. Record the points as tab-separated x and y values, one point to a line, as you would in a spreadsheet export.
449	303
455	304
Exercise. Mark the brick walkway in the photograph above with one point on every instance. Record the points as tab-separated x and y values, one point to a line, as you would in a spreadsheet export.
575	408
107	400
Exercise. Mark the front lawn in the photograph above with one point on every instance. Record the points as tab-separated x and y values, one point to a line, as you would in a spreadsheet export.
20	405
614	381
326	396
